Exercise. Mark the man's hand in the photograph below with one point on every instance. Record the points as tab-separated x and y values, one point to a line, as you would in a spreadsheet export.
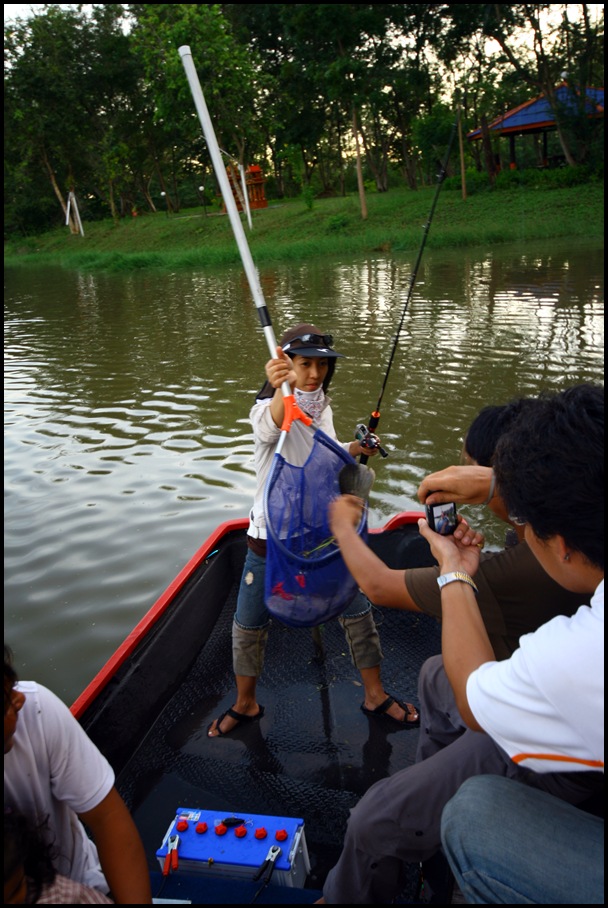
345	513
464	485
458	552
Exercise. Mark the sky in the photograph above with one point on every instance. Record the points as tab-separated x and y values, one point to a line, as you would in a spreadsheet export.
14	11
19	11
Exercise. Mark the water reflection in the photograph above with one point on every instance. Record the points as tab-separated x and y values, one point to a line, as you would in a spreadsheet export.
126	402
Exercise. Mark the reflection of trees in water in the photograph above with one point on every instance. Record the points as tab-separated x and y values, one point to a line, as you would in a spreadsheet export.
181	356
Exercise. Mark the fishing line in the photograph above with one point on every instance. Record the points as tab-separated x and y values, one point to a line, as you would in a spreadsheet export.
374	418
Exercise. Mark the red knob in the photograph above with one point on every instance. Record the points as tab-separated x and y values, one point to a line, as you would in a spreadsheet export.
220	829
240	831
181	825
260	833
281	835
201	827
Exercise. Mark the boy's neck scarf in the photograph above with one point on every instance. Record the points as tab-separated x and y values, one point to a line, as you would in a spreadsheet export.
311	402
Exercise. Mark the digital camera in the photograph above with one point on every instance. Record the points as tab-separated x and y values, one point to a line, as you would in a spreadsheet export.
442	518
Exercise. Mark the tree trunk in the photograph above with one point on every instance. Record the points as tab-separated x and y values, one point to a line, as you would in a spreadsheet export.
378	172
360	183
163	187
112	201
463	172
550	95
145	190
47	165
487	150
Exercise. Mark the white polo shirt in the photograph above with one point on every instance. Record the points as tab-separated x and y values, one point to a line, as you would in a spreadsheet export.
545	705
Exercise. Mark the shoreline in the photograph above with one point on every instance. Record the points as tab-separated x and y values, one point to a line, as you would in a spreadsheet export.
290	231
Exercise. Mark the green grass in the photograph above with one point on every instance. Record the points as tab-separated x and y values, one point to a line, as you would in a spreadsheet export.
288	231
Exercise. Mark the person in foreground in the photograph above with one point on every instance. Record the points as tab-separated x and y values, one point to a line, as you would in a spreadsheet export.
545	706
306	359
53	772
399	818
30	877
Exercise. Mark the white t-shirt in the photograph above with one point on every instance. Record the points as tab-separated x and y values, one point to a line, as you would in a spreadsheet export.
545	705
54	770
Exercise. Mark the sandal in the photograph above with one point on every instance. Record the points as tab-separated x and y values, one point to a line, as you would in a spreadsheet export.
241	719
382	711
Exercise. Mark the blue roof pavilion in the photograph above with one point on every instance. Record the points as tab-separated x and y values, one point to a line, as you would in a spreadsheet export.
536	116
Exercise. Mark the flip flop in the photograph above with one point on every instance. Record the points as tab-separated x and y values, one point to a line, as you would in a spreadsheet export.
241	719
382	712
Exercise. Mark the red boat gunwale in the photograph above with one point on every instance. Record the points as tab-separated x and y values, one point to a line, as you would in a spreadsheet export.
143	627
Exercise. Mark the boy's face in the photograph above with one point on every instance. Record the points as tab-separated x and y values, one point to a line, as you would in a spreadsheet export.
13	702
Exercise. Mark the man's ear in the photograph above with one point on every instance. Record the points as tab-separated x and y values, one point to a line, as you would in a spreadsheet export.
562	548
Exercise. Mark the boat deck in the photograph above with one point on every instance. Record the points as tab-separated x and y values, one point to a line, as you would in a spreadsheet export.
314	753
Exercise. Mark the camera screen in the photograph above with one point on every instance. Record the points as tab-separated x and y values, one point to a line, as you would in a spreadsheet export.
442	518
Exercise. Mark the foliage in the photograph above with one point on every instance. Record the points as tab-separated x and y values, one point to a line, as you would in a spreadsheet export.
532	178
96	99
431	134
308	196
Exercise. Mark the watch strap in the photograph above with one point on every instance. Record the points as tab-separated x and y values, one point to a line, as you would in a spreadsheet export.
454	576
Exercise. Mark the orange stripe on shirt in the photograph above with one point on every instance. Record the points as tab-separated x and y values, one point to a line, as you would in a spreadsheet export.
558	758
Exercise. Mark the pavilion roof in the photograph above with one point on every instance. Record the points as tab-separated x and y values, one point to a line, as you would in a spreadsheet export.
536	115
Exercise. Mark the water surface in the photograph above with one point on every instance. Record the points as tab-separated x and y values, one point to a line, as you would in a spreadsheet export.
126	401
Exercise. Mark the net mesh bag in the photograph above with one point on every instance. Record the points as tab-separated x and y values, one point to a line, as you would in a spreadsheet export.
307	581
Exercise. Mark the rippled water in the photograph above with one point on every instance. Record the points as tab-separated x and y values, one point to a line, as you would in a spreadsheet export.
126	401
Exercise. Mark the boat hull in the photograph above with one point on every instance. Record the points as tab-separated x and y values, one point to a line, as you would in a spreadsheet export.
312	755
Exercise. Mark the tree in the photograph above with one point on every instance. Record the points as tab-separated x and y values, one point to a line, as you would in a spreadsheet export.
45	71
554	46
70	83
230	80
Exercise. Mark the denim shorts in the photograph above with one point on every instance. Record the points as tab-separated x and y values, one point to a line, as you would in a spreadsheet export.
251	612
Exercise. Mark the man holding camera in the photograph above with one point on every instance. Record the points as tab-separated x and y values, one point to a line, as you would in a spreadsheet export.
529	705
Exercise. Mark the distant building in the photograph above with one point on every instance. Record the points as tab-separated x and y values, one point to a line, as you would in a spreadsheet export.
536	116
254	182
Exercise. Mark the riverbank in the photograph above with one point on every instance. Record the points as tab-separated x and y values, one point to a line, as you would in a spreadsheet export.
289	230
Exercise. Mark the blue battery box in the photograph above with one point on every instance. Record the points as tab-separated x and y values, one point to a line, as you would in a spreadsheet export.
215	843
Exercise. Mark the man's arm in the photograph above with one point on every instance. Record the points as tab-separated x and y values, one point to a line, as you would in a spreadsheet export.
381	584
121	852
465	644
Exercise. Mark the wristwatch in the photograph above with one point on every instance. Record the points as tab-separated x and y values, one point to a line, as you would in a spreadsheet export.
453	576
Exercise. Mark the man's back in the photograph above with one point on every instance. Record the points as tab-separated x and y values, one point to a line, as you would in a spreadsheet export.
53	770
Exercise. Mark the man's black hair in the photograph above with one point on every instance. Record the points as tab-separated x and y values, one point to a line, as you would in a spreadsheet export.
550	469
25	846
490	423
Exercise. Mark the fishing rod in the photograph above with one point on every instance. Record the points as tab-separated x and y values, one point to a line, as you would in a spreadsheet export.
292	411
363	432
